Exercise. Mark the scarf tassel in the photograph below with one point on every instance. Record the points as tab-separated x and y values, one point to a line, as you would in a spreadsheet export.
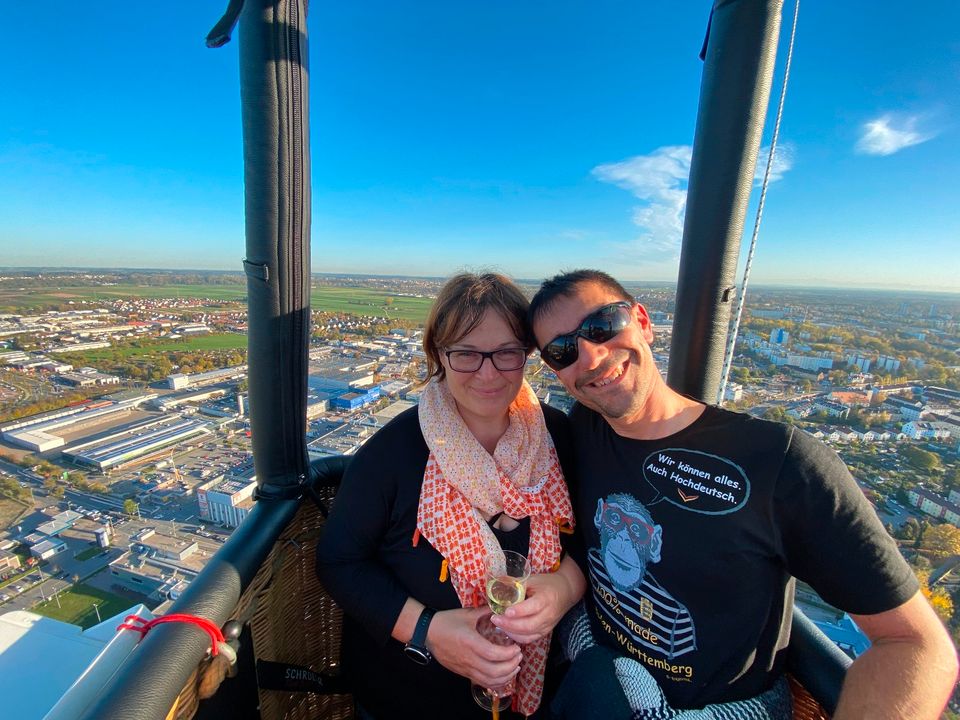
564	526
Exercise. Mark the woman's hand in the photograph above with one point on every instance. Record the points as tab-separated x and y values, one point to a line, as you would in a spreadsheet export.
454	641
549	596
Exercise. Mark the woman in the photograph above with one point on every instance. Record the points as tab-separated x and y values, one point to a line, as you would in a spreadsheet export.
472	469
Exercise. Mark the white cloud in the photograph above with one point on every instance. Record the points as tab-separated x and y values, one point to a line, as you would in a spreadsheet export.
659	180
782	162
889	134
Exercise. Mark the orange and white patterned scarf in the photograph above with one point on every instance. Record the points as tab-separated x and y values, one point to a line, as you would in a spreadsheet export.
522	478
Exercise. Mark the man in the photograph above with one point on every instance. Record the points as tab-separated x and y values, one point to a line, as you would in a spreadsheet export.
696	520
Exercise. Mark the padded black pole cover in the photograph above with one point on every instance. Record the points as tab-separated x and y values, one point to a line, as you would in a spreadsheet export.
276	151
741	51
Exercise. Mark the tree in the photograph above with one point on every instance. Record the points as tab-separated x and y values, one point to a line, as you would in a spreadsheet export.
951	481
27	461
10	487
838	377
939	599
130	507
920	459
941	542
910	529
774	413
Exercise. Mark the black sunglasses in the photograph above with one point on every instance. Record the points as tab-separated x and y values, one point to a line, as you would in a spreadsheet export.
598	327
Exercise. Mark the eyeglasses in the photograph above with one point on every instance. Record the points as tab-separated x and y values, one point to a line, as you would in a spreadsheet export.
616	519
467	361
598	327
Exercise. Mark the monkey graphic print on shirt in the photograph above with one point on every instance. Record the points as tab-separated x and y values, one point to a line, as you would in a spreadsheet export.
624	588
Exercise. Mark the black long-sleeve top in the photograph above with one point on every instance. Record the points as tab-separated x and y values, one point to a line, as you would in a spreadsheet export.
368	564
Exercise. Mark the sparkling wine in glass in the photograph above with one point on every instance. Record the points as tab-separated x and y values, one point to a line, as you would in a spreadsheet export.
506	585
504	591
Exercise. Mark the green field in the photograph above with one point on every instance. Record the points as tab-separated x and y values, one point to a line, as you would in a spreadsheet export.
35	298
360	301
357	301
213	341
76	606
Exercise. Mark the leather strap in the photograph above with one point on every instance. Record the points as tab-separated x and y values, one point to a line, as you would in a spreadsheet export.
419	637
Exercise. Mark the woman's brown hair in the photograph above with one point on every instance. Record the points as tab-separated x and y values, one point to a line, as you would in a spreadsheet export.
460	306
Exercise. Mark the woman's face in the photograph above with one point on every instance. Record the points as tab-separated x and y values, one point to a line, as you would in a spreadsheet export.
484	395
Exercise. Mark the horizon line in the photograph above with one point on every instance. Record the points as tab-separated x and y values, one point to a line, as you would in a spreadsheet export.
789	284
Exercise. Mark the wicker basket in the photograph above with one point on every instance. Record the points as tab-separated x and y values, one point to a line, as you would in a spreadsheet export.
804	706
293	620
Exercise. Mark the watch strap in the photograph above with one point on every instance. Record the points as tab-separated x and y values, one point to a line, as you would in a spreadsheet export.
419	637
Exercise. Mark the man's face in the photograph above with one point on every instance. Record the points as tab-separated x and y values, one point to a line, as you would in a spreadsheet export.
614	378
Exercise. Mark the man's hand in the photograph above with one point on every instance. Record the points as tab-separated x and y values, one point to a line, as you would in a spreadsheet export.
549	597
455	643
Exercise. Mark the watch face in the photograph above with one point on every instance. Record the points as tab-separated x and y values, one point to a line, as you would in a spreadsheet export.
418	655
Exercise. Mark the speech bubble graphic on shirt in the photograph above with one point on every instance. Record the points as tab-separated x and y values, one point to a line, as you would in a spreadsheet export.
696	481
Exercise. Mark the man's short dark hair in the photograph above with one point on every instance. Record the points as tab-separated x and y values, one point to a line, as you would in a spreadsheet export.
566	284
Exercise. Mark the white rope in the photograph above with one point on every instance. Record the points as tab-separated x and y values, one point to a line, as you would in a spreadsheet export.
728	357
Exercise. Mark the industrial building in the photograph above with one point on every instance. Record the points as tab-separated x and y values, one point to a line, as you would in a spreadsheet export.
135	441
37	431
8	562
170	402
157	564
44	542
179	381
344	440
356	399
80	347
338	373
87	377
228	499
392	410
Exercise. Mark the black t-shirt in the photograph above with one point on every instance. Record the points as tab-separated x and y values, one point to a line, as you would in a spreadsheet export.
368	564
691	541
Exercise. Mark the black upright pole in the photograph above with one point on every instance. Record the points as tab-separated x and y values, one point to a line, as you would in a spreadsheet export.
276	153
740	54
739	59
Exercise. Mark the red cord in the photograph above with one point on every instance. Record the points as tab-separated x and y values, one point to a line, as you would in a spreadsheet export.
142	626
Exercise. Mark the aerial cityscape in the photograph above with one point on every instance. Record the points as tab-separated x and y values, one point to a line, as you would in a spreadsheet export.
527	139
125	454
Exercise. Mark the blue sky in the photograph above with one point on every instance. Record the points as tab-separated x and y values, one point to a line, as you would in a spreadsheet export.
526	136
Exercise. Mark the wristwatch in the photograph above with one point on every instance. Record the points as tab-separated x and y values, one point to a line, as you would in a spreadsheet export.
416	649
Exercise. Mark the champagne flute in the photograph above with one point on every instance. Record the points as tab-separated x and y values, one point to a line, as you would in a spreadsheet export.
506	585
